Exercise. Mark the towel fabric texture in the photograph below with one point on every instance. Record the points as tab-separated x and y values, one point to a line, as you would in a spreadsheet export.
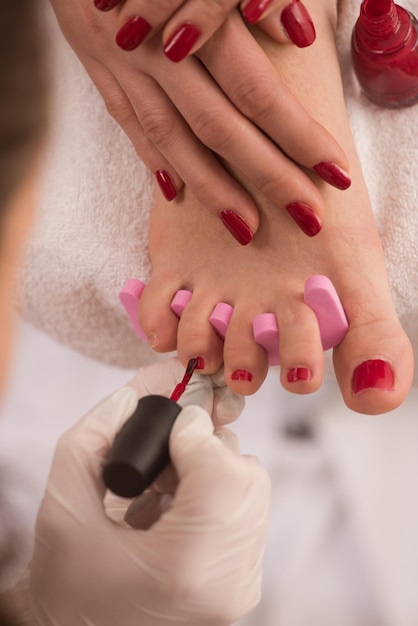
91	233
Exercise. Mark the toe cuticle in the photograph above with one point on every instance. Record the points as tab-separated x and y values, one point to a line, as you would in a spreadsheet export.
373	374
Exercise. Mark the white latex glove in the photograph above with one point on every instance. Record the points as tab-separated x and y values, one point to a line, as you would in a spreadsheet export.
199	564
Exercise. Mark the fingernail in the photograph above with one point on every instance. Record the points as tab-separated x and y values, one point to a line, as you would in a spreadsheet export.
183	40
242	375
153	340
333	174
166	184
132	33
305	218
373	374
298	373
254	10
298	24
237	226
105	5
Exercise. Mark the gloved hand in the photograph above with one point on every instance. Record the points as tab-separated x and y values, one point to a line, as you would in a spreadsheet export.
199	564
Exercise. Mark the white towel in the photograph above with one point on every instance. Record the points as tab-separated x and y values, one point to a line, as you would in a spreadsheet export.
96	195
91	231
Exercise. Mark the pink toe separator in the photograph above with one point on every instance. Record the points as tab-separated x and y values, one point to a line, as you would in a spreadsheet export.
180	301
220	318
129	295
266	333
321	296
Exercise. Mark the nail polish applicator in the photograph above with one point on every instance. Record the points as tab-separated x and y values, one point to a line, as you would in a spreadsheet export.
384	50
141	450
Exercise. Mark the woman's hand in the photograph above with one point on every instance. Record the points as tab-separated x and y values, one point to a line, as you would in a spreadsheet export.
199	563
191	121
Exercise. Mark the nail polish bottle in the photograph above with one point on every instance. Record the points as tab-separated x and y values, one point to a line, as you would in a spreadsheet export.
384	51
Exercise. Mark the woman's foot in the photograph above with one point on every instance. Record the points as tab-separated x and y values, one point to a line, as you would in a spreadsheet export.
373	364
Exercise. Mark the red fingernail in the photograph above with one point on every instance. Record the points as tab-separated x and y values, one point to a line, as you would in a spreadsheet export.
373	374
254	10
237	226
183	40
298	373
305	218
333	174
166	184
298	24
105	5
132	33
242	375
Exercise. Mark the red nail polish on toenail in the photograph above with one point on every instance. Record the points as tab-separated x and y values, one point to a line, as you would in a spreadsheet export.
132	33
373	374
242	375
105	5
200	363
298	373
333	175
305	218
183	40
298	24
166	184
237	226
254	10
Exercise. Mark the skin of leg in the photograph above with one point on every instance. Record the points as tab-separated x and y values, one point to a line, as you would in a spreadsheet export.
190	251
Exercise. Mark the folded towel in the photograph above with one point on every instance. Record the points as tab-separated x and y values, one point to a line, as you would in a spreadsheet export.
92	225
91	233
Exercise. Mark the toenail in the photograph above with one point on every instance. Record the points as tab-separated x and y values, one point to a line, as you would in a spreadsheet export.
237	226
298	373
305	218
373	374
242	375
153	340
200	363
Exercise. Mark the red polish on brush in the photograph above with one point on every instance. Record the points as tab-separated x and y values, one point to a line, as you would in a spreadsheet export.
196	363
384	50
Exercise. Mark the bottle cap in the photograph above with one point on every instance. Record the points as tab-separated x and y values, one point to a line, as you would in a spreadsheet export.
140	451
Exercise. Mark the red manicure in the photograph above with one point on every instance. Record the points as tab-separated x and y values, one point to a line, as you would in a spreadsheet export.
166	184
105	5
237	226
183	40
373	374
305	218
298	24
333	174
242	375
298	373
132	33
254	10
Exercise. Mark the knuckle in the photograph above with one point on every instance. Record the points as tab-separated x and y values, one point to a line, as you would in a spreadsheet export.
254	97
213	129
158	127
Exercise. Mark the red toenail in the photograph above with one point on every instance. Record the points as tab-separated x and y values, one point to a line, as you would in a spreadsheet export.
200	363
242	375
373	374
298	373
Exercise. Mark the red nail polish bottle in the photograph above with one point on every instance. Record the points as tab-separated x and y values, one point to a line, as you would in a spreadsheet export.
384	50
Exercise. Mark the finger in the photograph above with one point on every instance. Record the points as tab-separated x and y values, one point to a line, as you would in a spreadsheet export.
139	20
228	438
120	108
255	88
177	140
147	509
285	21
192	25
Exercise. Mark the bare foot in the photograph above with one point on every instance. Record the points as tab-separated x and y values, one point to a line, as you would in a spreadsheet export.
189	250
